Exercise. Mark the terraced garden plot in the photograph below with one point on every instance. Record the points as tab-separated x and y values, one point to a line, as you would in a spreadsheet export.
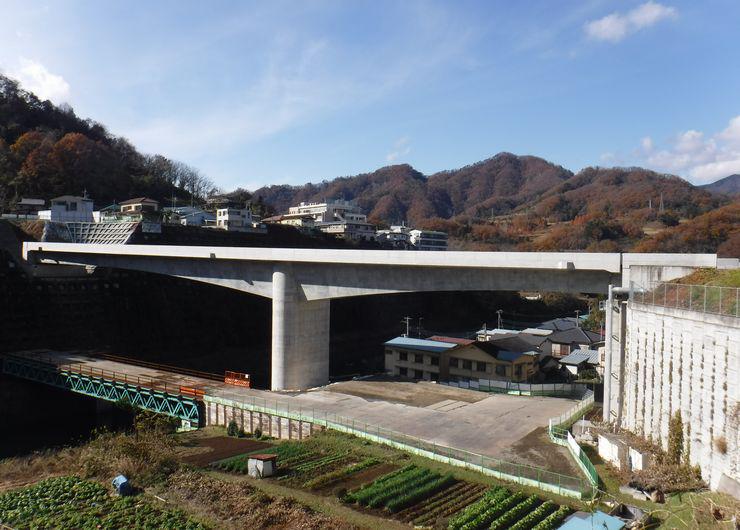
500	509
401	489
70	502
442	505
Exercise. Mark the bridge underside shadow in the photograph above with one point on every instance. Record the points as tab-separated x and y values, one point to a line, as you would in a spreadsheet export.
301	294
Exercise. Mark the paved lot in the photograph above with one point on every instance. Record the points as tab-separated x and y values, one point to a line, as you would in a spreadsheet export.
496	425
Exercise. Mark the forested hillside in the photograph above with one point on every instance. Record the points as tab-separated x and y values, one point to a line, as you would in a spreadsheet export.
46	151
502	203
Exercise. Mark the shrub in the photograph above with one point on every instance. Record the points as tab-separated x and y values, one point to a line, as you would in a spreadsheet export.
258	433
232	429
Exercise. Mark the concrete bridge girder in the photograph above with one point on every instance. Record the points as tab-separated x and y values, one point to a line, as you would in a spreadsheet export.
301	282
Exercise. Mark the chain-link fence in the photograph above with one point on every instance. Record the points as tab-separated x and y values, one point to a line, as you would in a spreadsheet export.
702	298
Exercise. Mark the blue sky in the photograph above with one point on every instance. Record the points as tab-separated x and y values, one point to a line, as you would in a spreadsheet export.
256	93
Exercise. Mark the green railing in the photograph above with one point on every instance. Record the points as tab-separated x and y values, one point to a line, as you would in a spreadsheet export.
165	401
559	432
524	474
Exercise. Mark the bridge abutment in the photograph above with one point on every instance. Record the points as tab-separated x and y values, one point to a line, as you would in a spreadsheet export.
300	335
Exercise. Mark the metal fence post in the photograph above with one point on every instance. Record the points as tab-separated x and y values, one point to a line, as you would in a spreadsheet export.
705	299
691	292
720	300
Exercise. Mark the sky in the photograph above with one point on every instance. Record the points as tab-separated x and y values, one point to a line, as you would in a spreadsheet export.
273	92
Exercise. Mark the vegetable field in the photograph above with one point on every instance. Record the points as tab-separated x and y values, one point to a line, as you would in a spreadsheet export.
500	509
70	502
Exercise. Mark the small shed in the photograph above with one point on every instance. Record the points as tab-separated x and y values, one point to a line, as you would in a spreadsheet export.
638	459
262	465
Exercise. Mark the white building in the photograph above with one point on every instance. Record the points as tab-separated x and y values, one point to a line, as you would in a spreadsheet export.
340	218
428	240
397	235
235	219
69	209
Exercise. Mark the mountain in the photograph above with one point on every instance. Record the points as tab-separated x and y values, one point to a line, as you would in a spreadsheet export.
517	202
47	150
503	184
728	185
397	193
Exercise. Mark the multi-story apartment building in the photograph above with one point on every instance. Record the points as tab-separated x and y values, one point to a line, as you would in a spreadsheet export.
340	218
427	240
235	219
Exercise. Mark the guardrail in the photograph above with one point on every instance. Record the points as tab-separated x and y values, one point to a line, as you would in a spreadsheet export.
712	299
524	474
520	389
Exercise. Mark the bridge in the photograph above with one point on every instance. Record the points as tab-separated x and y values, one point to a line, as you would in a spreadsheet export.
302	282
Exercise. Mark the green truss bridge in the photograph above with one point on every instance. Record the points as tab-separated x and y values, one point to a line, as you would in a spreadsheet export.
174	394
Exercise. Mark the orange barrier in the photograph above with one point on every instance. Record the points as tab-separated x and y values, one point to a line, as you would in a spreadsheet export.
237	379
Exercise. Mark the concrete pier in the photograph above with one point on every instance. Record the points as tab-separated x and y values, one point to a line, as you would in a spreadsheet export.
300	335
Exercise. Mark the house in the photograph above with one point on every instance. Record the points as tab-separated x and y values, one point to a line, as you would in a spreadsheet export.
565	341
189	216
29	206
397	236
69	209
427	240
340	218
299	221
139	205
235	219
502	359
578	361
415	358
561	323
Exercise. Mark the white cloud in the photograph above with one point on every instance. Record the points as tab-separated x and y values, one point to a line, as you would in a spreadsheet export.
400	149
692	154
647	144
35	78
616	26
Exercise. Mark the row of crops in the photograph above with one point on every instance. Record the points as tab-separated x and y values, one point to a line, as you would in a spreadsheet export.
298	463
400	489
499	509
413	494
70	502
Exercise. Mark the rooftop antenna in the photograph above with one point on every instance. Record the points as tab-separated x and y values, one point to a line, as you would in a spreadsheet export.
498	313
406	320
420	319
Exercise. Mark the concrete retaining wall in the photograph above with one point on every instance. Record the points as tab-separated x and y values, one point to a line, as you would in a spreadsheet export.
688	361
221	413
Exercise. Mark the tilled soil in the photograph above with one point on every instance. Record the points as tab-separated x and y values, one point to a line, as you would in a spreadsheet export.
209	450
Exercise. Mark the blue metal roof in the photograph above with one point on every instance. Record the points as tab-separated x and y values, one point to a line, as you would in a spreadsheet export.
590	521
408	343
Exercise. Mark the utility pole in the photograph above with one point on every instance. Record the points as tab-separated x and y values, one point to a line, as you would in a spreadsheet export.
578	322
662	207
498	314
420	319
406	320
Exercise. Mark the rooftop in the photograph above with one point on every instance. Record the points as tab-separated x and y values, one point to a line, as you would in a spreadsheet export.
453	340
577	357
409	343
574	335
139	200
